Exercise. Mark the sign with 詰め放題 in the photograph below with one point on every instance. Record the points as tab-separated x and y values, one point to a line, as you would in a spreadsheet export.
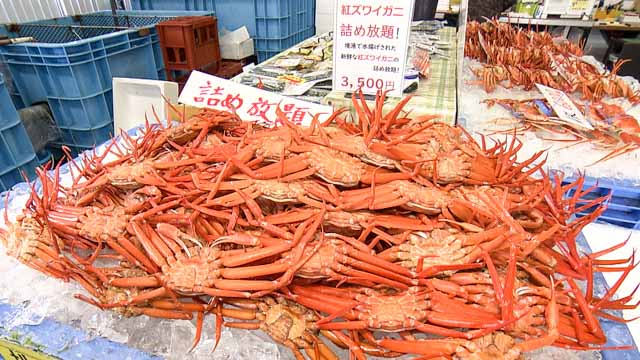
370	45
251	104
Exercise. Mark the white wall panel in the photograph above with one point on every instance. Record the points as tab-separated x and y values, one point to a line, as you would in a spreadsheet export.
325	13
17	11
12	11
75	7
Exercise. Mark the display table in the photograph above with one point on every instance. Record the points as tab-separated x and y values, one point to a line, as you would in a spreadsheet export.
570	158
436	95
43	309
584	25
551	21
616	26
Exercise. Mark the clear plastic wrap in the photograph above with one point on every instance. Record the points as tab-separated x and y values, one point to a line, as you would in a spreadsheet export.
40	126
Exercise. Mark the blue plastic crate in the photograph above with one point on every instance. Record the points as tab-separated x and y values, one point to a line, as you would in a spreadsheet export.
16	151
197	5
272	23
44	156
72	68
85	68
147	19
9	83
280	18
83	113
80	61
17	101
231	14
268	48
87	137
623	208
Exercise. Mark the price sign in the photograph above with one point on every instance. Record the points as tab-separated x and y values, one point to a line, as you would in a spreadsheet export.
370	45
11	351
251	104
564	107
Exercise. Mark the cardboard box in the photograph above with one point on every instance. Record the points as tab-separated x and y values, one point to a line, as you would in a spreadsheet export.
236	45
187	111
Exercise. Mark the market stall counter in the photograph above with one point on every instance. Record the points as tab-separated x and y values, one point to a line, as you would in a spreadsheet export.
282	233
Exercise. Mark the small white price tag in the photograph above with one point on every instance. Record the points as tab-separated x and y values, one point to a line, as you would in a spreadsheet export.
483	44
251	104
564	107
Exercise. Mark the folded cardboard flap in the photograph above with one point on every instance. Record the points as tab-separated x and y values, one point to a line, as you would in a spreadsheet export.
177	112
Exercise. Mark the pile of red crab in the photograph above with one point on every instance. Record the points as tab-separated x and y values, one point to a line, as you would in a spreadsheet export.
394	236
512	56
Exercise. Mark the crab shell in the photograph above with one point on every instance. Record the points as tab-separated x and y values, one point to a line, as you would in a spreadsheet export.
25	236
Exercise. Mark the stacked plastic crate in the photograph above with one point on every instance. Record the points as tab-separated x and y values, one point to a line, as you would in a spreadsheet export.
623	205
276	25
280	24
16	153
72	64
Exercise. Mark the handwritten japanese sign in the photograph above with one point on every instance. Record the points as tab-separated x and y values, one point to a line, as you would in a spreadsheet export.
564	107
370	45
251	104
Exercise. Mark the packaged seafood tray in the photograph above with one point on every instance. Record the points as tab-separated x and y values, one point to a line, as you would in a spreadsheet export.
297	71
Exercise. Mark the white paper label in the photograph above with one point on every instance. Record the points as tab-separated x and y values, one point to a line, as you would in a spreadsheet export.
370	45
251	104
483	44
564	107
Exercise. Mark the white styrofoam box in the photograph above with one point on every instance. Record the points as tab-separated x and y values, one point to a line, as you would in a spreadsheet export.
236	36
237	51
236	45
135	98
